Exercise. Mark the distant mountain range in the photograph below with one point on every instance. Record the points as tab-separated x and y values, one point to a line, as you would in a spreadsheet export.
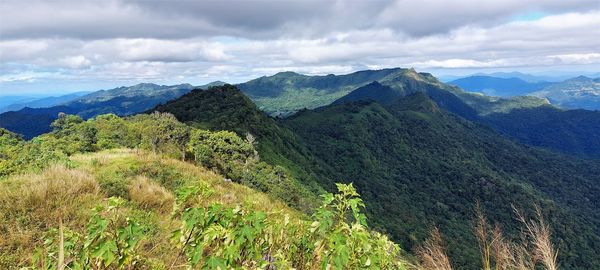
286	93
575	93
500	87
41	102
31	122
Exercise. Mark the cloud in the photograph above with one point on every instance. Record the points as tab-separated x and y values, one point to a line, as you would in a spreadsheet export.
99	42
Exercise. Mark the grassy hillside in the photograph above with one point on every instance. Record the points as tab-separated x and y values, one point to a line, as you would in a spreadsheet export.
132	209
31	203
418	166
160	199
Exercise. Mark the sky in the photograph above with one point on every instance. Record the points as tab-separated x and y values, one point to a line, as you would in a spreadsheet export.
55	46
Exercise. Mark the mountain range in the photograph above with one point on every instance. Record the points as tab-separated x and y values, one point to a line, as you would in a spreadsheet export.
283	94
416	164
575	93
40	102
501	87
31	122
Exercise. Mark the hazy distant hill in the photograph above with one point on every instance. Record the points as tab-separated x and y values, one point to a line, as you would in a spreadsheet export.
576	93
501	87
42	102
121	101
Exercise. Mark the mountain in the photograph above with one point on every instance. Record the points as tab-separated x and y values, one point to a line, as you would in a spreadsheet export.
374	91
523	76
287	92
576	93
8	100
528	120
31	122
501	87
42	102
418	166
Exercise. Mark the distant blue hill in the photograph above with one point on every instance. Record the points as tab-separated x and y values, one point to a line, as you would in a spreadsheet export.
31	122
501	87
41	102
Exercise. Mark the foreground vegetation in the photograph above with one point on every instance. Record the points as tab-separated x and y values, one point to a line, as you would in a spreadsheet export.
121	193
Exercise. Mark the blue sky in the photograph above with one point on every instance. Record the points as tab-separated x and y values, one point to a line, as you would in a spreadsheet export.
52	47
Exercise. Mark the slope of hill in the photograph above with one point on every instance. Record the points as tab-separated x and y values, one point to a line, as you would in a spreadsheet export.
226	108
575	132
42	102
411	151
576	93
129	209
418	166
121	101
500	87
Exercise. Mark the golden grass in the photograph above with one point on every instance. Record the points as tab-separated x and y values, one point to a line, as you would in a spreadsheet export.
30	204
540	237
432	253
150	195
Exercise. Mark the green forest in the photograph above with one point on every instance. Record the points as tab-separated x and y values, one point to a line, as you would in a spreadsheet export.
208	181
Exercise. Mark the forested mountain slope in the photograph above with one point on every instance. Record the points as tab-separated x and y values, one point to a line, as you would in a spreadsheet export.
575	132
418	166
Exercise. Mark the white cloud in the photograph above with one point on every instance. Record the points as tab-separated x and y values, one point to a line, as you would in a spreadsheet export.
190	41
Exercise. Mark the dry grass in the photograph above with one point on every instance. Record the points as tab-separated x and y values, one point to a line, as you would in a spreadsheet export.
55	189
433	254
150	195
30	204
540	239
534	248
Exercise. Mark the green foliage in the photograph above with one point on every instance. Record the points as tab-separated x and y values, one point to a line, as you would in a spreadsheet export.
10	146
110	243
222	149
219	236
112	239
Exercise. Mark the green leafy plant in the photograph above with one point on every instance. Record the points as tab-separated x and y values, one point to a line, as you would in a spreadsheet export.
111	242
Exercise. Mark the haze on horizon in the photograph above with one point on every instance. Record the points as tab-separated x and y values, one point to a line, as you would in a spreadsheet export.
49	47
